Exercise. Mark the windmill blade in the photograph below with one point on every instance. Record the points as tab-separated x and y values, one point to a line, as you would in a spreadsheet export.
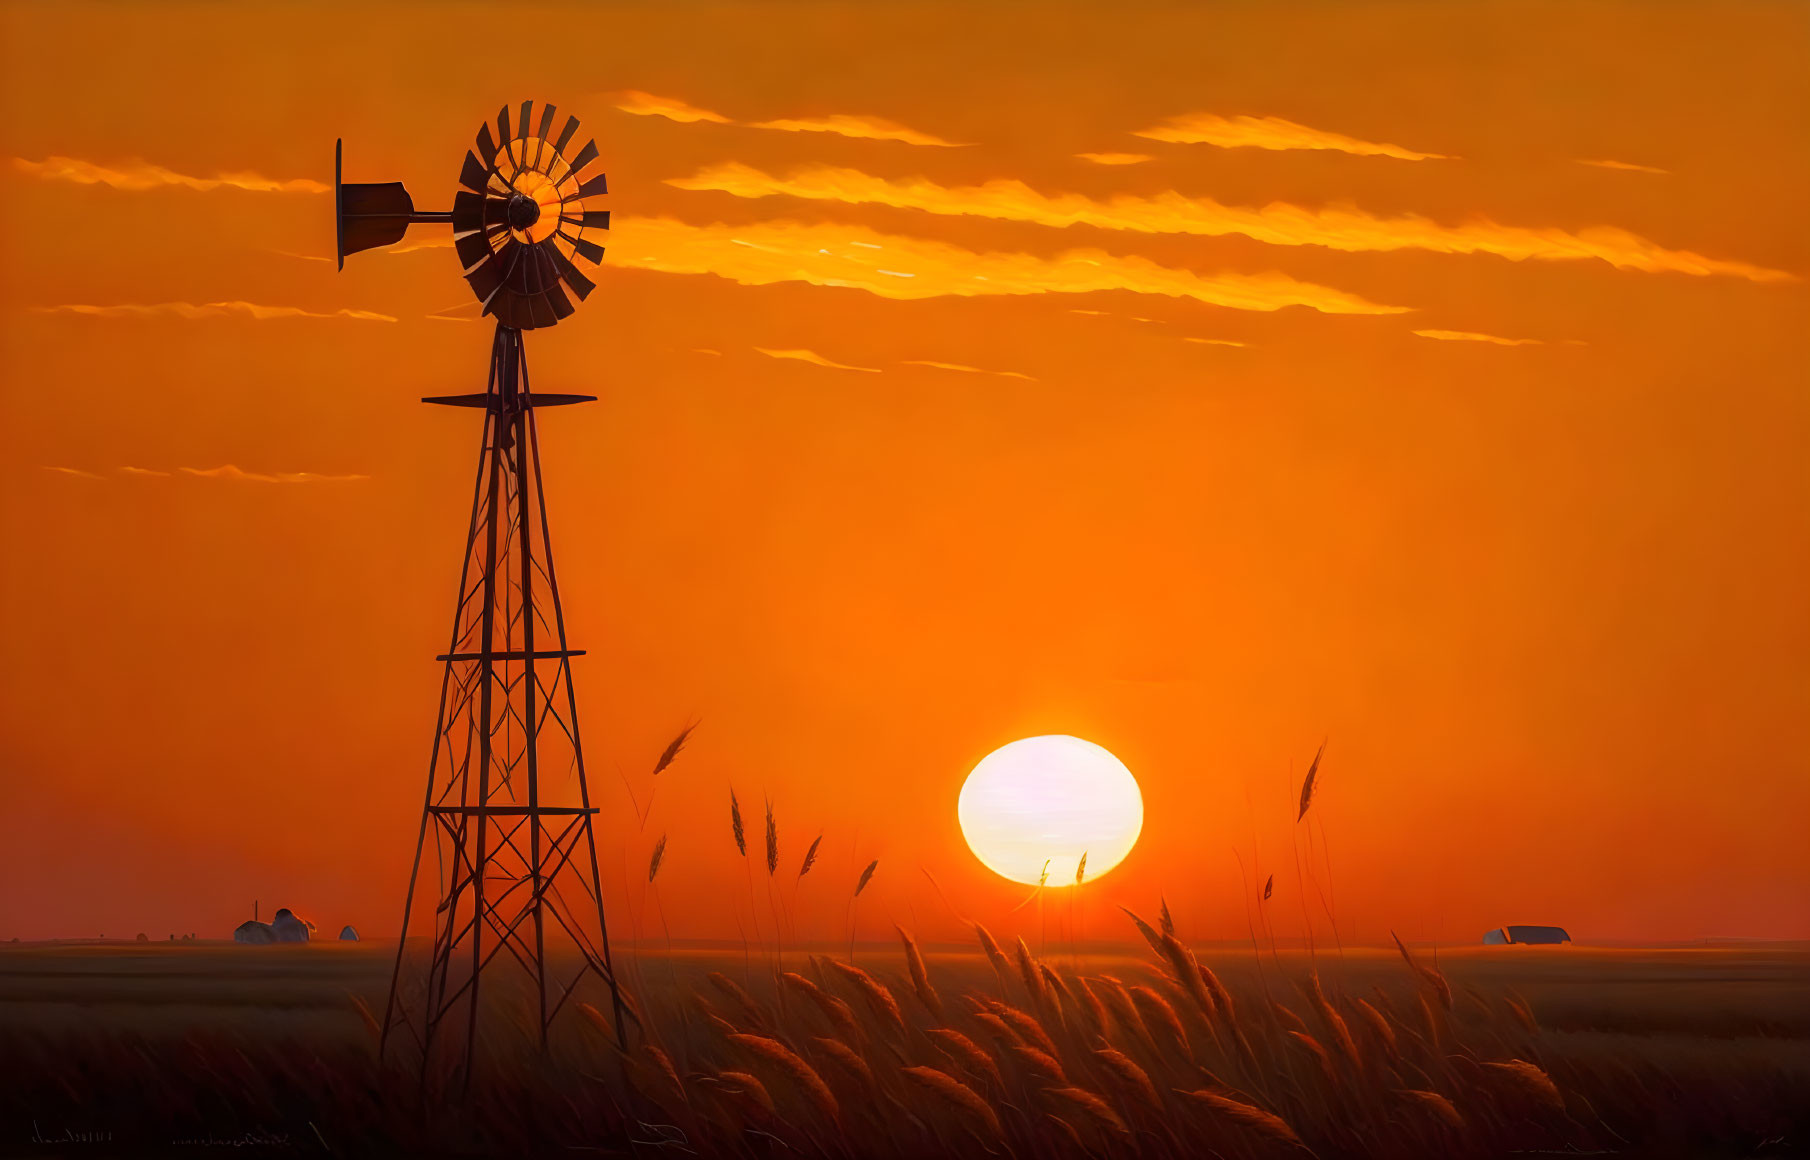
505	306
472	248
467	211
474	176
504	136
590	251
546	126
562	306
521	126
486	147
546	272
565	135
594	187
581	285
585	156
488	277
591	219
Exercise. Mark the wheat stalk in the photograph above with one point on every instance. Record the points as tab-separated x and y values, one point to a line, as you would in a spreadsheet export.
879	998
795	1068
957	1094
920	977
1129	1076
1092	1104
1040	1062
1531	1080
835	1009
1158	1012
1025	1026
653	864
1027	970
846	1058
741	1083
672	750
1341	1033
810	860
966	1053
1437	1104
1307	784
1248	1115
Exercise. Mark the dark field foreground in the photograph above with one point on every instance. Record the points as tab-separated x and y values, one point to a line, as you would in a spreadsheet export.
178	1050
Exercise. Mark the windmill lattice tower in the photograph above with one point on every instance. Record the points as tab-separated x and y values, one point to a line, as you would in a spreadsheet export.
507	808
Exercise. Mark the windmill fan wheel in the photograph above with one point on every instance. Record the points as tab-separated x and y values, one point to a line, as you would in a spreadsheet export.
521	215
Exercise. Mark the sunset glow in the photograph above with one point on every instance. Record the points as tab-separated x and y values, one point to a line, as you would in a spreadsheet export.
1207	381
1033	809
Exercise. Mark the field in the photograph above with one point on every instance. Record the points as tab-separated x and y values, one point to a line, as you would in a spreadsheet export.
1210	1051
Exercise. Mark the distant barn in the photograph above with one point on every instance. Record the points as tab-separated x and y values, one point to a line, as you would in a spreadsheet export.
1537	935
254	932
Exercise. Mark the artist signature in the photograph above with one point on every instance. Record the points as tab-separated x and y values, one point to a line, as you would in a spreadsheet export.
69	1136
255	1138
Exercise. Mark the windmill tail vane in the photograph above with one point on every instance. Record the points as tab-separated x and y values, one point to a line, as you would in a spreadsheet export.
513	875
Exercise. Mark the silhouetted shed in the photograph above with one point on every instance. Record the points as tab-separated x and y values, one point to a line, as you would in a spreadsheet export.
1535	935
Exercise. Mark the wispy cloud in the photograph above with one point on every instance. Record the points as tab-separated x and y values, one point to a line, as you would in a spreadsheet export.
841	124
432	242
1279	223
1270	133
672	108
230	472
226	471
946	366
139	175
1115	158
193	311
1215	341
1625	166
815	359
1473	336
844	125
302	257
826	254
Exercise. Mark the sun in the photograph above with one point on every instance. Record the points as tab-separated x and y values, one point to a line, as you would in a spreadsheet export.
1044	802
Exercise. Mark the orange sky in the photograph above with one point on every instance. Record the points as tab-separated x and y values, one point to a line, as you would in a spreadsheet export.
1225	474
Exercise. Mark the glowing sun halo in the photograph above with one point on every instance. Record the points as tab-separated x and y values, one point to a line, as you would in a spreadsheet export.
1050	799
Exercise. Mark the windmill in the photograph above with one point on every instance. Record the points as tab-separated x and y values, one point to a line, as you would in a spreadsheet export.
507	804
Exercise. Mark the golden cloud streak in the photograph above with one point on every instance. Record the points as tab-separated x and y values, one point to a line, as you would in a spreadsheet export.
868	128
140	176
1115	158
229	471
841	124
1269	133
1625	166
945	366
1278	223
672	108
1473	336
224	471
811	356
912	268
192	311
1215	341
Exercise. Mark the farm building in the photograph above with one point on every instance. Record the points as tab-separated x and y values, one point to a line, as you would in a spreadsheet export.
1538	935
